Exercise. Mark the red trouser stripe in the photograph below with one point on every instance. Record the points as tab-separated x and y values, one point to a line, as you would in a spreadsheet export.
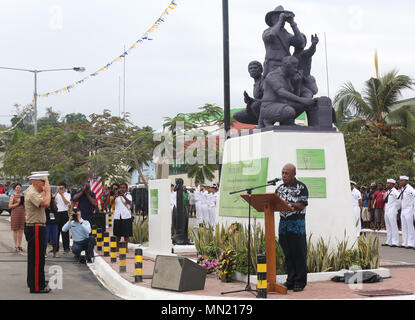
36	258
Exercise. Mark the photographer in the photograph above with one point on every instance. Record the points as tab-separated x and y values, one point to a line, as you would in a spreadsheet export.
82	240
63	203
123	226
86	201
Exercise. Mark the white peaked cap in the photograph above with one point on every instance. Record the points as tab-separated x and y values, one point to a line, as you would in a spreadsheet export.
39	175
352	182
391	181
404	178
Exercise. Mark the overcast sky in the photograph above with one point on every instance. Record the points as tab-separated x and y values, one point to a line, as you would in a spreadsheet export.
181	69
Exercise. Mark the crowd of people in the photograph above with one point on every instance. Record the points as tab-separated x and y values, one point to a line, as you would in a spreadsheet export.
390	206
45	217
199	202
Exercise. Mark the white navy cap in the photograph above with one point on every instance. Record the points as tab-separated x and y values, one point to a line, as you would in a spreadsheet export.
39	175
404	178
391	181
352	182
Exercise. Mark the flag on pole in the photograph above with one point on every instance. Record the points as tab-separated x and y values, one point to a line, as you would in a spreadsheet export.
96	187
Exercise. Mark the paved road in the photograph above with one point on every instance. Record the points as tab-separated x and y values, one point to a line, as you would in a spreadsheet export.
395	255
78	281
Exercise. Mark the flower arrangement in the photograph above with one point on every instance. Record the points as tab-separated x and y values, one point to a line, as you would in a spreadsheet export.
209	265
226	266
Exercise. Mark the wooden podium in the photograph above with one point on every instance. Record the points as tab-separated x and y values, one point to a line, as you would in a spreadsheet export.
269	203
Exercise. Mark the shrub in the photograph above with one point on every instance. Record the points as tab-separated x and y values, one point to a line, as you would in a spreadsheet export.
140	230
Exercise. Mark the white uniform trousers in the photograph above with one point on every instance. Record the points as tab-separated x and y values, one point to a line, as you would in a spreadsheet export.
212	215
199	213
357	220
392	231
408	230
205	213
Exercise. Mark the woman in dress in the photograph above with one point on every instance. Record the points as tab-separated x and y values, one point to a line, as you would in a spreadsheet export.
16	204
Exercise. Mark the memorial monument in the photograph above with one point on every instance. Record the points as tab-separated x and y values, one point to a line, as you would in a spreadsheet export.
284	88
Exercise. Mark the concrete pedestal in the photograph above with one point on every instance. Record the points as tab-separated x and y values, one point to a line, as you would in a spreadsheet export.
329	216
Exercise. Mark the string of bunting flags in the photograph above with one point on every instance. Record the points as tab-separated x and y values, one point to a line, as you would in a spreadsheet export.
146	36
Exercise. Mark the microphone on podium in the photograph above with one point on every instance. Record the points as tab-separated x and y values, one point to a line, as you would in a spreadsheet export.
274	181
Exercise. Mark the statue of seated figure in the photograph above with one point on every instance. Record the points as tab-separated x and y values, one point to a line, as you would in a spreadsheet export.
282	100
250	115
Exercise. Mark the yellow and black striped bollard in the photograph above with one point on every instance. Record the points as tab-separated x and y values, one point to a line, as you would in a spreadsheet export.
94	233
123	257
262	276
99	239
109	220
138	272
113	249
106	244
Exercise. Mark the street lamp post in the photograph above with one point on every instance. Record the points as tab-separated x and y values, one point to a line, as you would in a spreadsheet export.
35	72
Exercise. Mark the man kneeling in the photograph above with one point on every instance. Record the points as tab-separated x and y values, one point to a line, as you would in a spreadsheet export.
82	240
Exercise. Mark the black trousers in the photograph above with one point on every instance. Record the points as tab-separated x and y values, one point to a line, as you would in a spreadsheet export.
295	251
87	245
62	218
35	237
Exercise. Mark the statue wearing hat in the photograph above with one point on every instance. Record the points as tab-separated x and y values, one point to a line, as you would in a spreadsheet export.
278	40
287	84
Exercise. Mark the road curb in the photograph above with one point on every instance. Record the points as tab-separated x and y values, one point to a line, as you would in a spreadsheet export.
124	289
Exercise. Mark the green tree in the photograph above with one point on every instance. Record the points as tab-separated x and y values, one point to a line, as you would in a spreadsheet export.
377	108
375	158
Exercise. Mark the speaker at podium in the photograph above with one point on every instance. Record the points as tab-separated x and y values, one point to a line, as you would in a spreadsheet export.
177	274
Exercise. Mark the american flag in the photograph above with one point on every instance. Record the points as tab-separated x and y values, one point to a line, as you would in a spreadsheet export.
96	187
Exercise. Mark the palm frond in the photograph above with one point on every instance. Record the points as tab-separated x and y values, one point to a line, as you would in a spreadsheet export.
348	98
392	85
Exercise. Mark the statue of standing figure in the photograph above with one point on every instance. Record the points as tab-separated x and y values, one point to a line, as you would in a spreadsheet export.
287	84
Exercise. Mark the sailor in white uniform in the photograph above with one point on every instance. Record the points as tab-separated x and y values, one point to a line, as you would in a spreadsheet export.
392	204
204	207
198	202
357	206
407	214
212	206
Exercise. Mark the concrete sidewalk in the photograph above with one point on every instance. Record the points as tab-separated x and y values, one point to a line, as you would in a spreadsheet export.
401	278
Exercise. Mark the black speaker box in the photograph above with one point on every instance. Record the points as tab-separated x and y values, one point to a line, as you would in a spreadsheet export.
177	274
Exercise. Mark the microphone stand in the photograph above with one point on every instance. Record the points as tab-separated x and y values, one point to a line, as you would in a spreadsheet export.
249	192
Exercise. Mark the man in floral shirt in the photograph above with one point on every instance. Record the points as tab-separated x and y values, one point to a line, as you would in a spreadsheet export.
292	235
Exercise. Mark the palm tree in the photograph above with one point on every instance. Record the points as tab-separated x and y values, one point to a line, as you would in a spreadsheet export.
201	172
378	107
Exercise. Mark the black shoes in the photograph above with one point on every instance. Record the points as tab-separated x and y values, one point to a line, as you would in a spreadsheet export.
289	286
298	289
44	290
384	245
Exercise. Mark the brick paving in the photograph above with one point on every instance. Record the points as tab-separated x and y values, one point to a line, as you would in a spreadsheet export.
402	278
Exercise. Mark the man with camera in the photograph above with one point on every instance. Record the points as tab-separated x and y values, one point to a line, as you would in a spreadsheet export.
86	201
63	202
123	219
81	235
